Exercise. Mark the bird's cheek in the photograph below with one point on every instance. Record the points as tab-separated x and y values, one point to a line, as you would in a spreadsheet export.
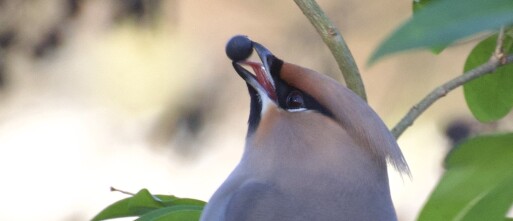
267	128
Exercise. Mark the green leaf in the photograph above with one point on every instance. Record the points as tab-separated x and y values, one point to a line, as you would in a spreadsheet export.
174	213
143	203
116	210
164	198
443	22
184	201
438	49
136	205
477	183
492	204
418	5
489	97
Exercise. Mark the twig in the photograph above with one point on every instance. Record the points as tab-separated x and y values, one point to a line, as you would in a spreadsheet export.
445	88
121	191
499	48
335	42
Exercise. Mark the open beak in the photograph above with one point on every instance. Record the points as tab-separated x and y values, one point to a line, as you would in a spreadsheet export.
262	80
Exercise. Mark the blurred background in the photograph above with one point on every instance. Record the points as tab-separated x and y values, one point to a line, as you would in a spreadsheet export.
139	94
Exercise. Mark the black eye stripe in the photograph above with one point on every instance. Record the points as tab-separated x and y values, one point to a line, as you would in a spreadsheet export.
308	102
283	89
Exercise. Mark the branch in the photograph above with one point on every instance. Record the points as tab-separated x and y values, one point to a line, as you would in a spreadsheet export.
335	42
486	68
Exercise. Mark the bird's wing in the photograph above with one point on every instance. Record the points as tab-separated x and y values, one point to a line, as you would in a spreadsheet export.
260	201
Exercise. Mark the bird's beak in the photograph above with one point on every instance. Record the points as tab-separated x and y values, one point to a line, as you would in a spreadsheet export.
262	80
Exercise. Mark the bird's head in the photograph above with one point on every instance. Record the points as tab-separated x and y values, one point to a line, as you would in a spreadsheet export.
296	106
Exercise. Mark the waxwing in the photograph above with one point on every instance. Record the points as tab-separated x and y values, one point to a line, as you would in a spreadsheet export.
314	149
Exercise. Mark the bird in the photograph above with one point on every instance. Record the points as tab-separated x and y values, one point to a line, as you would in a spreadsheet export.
314	149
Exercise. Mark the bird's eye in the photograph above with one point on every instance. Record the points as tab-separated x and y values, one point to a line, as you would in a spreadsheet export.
295	100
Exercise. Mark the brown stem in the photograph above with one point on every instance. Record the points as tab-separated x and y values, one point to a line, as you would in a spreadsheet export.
335	42
445	88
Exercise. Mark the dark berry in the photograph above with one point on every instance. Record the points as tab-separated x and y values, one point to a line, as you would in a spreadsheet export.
239	48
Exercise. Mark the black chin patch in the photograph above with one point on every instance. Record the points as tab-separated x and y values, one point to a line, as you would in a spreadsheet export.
254	110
